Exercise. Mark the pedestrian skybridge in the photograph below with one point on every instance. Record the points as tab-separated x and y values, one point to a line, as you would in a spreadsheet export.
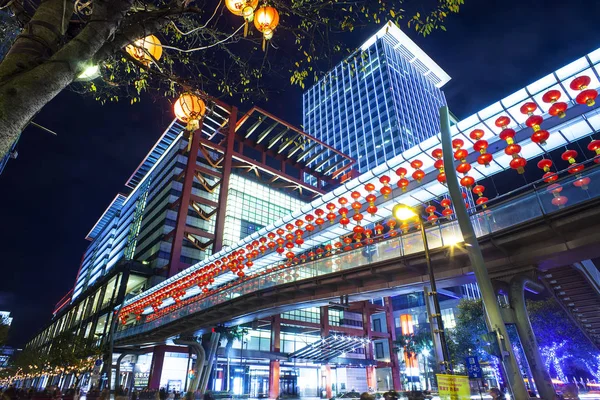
351	227
534	201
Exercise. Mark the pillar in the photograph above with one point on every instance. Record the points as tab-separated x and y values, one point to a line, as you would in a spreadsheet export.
158	359
371	377
273	379
324	321
391	327
326	371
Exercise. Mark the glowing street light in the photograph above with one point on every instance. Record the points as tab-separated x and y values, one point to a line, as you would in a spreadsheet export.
404	213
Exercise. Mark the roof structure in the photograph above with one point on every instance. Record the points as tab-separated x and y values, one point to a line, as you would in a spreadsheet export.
329	348
411	52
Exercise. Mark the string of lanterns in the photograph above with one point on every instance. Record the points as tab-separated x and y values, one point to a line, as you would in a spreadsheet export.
266	18
190	108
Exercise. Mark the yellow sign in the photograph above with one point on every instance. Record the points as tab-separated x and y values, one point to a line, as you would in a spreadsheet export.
453	387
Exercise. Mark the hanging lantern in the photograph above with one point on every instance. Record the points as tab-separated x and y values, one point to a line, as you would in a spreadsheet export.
243	8
534	121
418	175
558	200
476	134
358	231
189	109
481	199
447	211
386	190
545	164
439	165
145	50
392	225
369	187
587	96
558	108
570	156
344	221
517	163
467	181
331	215
266	19
582	182
378	229
595	147
402	182
484	157
319	221
371	209
431	211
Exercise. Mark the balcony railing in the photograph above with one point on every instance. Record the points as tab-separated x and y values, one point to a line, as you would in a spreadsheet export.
528	203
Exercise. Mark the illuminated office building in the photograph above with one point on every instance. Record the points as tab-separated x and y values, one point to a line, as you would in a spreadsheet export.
380	101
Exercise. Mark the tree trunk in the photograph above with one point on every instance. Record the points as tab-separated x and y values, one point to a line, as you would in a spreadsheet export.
23	94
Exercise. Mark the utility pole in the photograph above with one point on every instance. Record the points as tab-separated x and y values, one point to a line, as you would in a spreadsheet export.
492	309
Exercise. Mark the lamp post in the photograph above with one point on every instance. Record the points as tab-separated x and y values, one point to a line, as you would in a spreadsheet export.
402	212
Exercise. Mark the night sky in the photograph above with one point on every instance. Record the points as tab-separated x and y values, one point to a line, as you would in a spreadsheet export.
52	195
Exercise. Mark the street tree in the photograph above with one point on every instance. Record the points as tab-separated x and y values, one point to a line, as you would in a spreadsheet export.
72	354
202	44
230	334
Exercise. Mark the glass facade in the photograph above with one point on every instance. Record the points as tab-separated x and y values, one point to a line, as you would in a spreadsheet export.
251	206
376	104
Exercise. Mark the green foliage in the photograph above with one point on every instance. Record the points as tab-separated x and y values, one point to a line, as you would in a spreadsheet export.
72	353
469	337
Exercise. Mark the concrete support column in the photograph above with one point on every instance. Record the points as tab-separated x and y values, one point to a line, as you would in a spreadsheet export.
371	377
274	379
324	321
326	371
158	359
391	326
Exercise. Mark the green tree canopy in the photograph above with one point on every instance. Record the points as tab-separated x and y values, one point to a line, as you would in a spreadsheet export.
203	47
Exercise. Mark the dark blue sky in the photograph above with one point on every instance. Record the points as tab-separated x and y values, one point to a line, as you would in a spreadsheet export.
55	191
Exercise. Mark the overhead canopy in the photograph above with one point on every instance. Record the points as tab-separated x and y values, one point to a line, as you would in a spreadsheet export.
329	348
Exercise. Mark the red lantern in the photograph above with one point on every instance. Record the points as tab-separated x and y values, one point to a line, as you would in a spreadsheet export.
502	121
518	163
478	190
431	211
540	137
595	147
392	224
467	181
457	143
344	220
447	211
437	154
476	134
485	159
386	190
402	182
463	168
582	183
378	229
587	96
570	156
418	175
557	108
461	154
371	209
439	165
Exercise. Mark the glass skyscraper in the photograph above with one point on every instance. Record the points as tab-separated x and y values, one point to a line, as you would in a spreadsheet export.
377	103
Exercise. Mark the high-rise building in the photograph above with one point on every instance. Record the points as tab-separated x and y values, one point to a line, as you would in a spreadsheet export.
177	210
379	102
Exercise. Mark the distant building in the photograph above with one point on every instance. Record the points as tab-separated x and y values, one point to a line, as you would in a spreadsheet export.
377	103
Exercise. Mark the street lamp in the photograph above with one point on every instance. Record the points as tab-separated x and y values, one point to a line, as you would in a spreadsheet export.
403	213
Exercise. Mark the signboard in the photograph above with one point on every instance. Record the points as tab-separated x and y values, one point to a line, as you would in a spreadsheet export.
473	368
453	387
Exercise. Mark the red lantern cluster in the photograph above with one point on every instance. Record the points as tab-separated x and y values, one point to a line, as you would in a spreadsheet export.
570	156
512	149
534	121
558	200
439	165
385	190
431	211
464	167
558	108
586	96
481	199
447	211
544	164
372	208
402	181
418	175
481	146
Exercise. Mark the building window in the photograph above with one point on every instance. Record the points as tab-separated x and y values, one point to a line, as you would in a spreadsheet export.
248	228
379	350
377	325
